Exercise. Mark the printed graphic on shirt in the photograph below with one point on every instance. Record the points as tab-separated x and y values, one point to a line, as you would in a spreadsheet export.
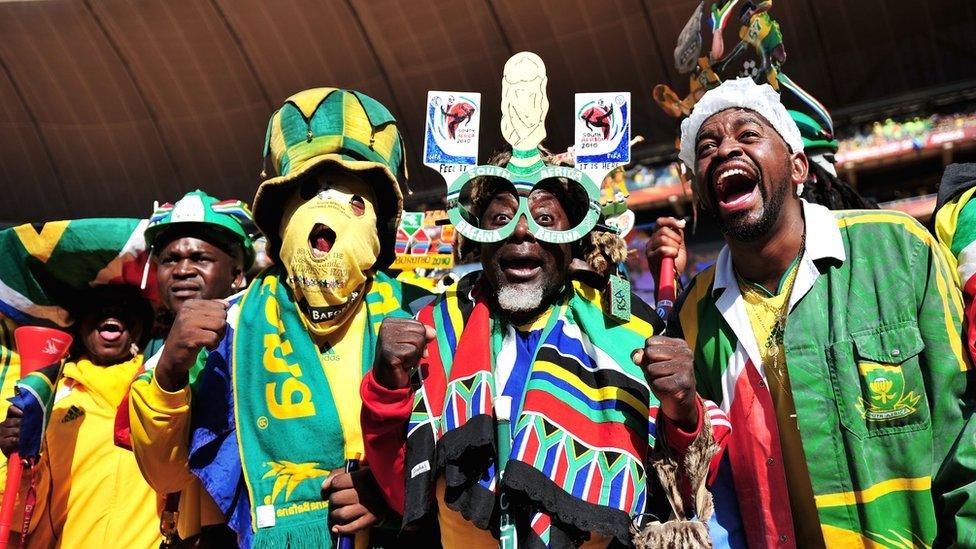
887	399
289	475
330	354
72	414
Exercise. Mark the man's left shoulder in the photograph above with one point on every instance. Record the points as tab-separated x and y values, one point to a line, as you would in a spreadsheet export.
880	223
884	232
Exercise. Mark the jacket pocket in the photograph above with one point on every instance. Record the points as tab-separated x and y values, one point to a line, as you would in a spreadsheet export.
877	381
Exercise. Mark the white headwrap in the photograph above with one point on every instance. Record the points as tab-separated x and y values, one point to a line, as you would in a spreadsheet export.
740	93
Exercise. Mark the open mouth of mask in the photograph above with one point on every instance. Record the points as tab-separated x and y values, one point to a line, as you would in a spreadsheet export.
329	243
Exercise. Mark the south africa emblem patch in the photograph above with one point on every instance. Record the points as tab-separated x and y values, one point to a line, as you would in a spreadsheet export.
884	385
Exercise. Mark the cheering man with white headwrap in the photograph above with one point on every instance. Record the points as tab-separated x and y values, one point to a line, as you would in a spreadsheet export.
832	340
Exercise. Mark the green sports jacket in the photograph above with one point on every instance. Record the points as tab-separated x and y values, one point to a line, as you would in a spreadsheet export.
883	390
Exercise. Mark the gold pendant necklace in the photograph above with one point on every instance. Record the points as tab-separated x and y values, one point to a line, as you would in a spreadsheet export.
774	360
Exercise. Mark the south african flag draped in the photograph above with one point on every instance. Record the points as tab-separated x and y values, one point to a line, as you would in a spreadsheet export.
581	439
43	263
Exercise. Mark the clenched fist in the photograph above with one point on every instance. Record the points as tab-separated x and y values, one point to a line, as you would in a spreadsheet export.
667	240
668	364
200	323
10	431
401	344
355	501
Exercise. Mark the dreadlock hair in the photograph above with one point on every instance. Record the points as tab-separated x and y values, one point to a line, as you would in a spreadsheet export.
824	188
603	251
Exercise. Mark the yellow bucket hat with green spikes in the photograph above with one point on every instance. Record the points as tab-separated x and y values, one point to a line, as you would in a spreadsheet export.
327	129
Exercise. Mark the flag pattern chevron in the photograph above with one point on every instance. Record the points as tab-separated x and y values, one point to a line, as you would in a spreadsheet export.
582	431
955	229
34	394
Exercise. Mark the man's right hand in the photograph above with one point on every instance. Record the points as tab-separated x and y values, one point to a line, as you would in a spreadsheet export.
10	431
401	344
200	323
667	240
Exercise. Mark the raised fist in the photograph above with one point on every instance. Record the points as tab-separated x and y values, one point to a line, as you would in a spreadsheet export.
199	323
401	344
668	365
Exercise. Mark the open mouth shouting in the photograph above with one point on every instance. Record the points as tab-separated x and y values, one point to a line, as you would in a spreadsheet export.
320	240
520	266
736	185
110	330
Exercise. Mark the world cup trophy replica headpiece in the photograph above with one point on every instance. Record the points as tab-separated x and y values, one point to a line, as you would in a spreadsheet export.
524	108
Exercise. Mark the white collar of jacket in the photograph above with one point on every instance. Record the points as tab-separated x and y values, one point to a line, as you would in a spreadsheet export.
823	241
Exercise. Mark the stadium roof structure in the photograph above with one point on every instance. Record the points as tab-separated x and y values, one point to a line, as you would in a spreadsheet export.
107	105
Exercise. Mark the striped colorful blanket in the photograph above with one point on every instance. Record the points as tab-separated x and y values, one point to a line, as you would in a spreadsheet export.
581	435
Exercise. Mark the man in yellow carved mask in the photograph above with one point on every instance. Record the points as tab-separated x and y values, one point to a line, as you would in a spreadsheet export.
329	243
276	407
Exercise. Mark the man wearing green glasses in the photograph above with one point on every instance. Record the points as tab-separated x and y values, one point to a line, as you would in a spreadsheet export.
522	331
528	273
515	401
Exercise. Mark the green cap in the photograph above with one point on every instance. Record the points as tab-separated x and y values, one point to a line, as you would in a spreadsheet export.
816	139
229	220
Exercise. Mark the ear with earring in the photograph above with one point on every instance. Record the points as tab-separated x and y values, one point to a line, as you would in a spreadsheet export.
134	349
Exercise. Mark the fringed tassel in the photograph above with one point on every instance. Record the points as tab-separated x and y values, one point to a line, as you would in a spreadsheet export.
304	536
680	530
403	167
267	147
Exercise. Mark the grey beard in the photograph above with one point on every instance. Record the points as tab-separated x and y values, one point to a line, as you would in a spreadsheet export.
516	299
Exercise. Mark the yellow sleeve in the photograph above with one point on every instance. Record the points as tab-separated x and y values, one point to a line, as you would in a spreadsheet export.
160	423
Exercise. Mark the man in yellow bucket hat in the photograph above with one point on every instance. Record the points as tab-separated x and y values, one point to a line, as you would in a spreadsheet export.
272	420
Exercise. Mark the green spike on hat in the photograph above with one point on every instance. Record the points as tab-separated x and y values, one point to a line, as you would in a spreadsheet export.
816	139
331	128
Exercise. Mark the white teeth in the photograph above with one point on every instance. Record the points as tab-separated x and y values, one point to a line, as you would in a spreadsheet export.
734	171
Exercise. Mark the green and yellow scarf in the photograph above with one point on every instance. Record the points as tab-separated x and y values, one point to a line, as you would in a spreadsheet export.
288	414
